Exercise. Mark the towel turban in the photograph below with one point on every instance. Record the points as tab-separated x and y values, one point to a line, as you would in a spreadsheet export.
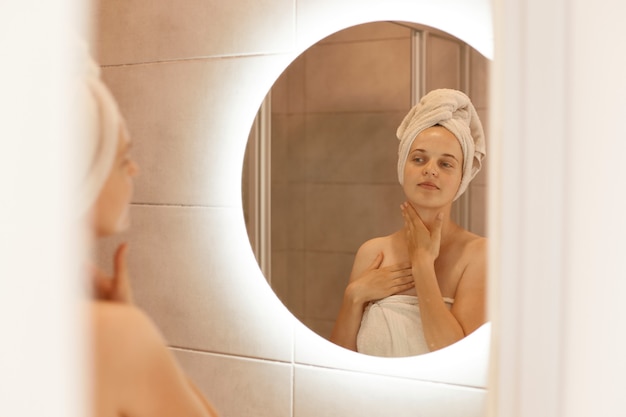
99	126
453	110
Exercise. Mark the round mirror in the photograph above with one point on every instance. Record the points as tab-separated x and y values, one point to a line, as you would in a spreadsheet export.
320	173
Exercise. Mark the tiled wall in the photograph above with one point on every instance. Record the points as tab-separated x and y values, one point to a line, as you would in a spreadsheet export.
189	76
334	115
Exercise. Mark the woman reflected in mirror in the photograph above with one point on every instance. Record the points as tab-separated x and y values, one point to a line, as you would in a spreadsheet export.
423	287
133	372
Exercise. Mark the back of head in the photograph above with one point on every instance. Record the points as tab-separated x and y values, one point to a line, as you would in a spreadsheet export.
99	125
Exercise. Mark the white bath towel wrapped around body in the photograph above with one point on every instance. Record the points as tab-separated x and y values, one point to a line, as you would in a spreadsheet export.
392	327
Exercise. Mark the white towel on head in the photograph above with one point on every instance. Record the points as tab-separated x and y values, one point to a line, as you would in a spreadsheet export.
453	110
98	133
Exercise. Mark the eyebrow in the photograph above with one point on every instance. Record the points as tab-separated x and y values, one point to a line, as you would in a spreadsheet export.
445	154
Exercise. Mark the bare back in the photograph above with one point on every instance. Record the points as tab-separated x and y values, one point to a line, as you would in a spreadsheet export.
134	373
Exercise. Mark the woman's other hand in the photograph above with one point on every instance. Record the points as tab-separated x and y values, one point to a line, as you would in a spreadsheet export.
376	283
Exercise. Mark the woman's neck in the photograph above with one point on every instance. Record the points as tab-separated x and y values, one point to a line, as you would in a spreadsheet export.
429	217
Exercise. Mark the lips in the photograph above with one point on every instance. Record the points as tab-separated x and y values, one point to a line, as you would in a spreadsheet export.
428	185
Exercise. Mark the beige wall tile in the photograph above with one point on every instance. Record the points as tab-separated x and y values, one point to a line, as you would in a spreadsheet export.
478	209
139	32
296	148
324	328
342	217
443	60
370	31
194	273
239	386
358	76
288	280
189	132
296	216
327	275
280	148
339	393
296	279
288	90
354	147
479	80
282	230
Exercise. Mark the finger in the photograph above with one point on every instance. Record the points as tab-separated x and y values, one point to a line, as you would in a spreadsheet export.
121	271
122	289
120	262
404	287
403	279
405	216
398	267
402	275
416	221
437	226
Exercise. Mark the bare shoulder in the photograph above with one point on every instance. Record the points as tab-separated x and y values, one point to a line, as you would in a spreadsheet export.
367	253
134	371
374	246
476	247
118	321
123	342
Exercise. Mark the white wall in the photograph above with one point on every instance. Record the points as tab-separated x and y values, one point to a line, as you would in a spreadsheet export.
40	348
557	93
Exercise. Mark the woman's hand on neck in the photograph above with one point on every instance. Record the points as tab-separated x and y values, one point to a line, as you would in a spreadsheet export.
428	215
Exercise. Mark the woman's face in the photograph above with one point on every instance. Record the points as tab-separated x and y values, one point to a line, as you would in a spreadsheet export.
110	212
434	168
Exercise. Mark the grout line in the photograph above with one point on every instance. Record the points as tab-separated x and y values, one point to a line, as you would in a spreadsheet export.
295	364
403	377
228	355
140	204
199	59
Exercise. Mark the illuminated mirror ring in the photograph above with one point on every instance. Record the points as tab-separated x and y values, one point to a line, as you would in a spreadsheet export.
464	363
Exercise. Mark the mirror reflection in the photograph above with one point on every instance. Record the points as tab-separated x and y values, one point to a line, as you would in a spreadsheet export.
320	176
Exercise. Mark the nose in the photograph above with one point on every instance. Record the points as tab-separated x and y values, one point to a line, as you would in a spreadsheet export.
430	169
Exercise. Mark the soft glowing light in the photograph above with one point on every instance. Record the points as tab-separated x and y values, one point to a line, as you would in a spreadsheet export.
466	362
